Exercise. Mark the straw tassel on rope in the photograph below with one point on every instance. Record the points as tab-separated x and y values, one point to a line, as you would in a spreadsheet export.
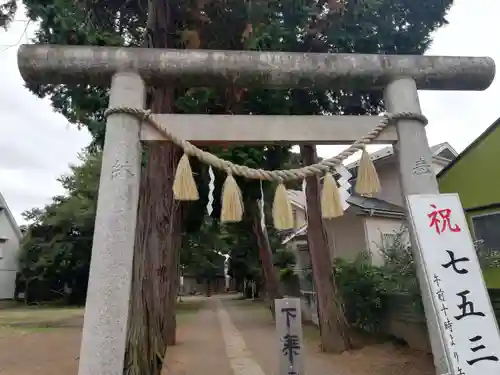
331	202
184	187
232	202
282	209
367	181
184	184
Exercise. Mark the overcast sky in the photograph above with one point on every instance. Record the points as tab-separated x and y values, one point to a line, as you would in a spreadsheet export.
36	144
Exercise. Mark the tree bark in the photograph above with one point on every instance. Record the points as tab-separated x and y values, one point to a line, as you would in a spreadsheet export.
266	256
156	278
333	325
155	284
144	338
163	160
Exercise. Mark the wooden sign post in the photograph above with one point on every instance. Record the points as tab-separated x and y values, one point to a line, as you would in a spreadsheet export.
466	319
290	340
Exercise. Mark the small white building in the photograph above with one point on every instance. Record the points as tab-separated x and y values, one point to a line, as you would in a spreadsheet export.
10	239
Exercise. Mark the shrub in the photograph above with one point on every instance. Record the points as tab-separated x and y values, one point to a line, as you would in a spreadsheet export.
362	289
286	274
399	265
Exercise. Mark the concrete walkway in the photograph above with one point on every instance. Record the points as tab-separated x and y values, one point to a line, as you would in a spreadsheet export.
240	357
200	348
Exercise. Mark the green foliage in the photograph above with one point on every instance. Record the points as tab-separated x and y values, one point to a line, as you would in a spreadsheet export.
284	260
80	22
399	265
244	261
8	9
362	288
286	274
202	253
55	252
378	26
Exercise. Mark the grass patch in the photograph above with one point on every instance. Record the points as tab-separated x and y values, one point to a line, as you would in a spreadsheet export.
18	318
187	309
37	315
24	319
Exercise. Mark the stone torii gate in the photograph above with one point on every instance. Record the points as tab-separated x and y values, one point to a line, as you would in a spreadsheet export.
128	70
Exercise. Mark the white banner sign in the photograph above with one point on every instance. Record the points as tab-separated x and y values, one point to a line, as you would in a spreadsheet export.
460	295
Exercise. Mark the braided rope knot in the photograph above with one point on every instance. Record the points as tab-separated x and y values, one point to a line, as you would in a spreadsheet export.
320	168
185	187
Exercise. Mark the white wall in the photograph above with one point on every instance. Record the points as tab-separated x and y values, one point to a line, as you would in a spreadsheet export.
9	255
346	236
299	217
437	167
388	174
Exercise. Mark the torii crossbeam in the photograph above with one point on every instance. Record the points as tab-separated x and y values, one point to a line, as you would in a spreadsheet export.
128	70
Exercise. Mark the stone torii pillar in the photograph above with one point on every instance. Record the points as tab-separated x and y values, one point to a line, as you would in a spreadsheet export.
129	69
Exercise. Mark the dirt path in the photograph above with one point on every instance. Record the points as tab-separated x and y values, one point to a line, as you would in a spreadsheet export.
47	342
44	352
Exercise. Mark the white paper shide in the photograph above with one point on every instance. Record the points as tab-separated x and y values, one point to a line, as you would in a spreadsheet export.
461	299
345	185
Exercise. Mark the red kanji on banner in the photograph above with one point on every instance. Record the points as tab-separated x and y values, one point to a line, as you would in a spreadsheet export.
440	220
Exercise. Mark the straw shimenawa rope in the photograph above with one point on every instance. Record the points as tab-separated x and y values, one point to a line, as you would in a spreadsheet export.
185	188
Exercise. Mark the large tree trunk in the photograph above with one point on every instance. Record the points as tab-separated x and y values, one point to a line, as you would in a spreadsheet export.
159	227
144	338
333	325
156	280
155	283
162	162
271	278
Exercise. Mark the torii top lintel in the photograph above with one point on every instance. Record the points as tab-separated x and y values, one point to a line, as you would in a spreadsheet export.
96	65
